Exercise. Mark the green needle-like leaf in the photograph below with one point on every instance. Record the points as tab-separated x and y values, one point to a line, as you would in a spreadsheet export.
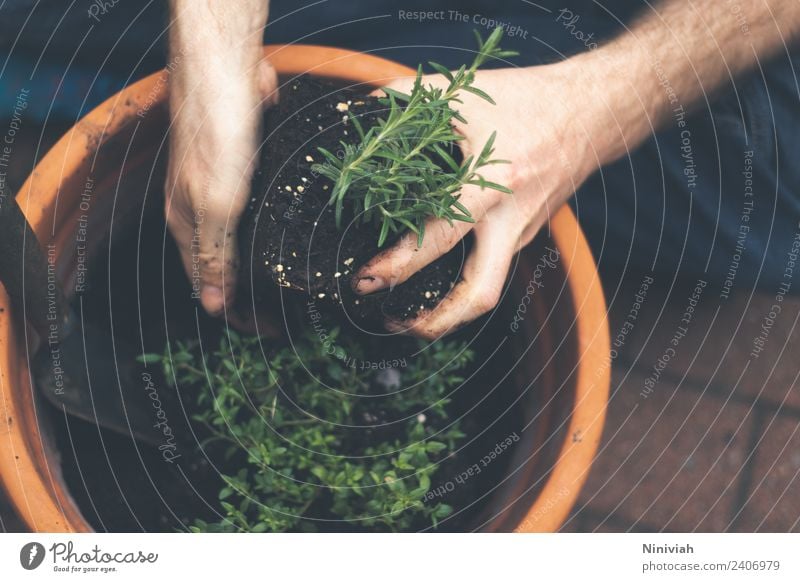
402	171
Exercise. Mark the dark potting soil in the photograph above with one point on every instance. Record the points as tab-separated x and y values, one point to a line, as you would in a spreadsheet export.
138	284
289	235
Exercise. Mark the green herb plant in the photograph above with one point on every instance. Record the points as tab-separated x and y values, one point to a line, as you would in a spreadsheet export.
404	169
288	433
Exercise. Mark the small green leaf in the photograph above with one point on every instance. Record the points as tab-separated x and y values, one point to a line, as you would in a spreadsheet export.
462	208
483	95
395	94
462	218
495	186
435	446
442	70
384	232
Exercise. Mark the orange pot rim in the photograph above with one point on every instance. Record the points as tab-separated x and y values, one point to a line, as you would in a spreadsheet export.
29	472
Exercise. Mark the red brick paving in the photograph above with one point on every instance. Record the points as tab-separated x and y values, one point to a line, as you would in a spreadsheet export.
772	501
672	460
699	453
719	341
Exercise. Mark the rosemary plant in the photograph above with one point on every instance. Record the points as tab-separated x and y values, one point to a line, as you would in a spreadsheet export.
404	169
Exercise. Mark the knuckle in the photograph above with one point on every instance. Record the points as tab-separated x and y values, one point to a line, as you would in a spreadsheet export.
215	269
511	176
176	218
449	235
178	207
210	263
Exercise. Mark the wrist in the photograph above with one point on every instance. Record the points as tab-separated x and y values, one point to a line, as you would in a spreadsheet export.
217	36
620	104
213	70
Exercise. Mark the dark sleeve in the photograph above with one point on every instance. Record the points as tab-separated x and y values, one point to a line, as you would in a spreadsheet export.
116	32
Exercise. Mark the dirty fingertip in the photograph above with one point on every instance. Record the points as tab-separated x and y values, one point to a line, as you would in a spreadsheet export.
212	299
366	284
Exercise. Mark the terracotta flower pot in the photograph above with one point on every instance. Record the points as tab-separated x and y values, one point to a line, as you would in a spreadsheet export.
561	337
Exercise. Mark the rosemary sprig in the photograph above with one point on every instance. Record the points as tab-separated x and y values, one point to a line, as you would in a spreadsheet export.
404	169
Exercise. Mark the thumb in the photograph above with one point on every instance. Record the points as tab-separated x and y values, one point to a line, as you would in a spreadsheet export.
267	82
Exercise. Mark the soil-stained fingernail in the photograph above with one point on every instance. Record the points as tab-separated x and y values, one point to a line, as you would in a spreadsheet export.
369	284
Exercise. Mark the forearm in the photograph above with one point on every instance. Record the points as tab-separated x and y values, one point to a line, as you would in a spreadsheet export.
676	54
219	46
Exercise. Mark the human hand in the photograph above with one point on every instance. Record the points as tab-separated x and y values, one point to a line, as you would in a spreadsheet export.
217	92
546	125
